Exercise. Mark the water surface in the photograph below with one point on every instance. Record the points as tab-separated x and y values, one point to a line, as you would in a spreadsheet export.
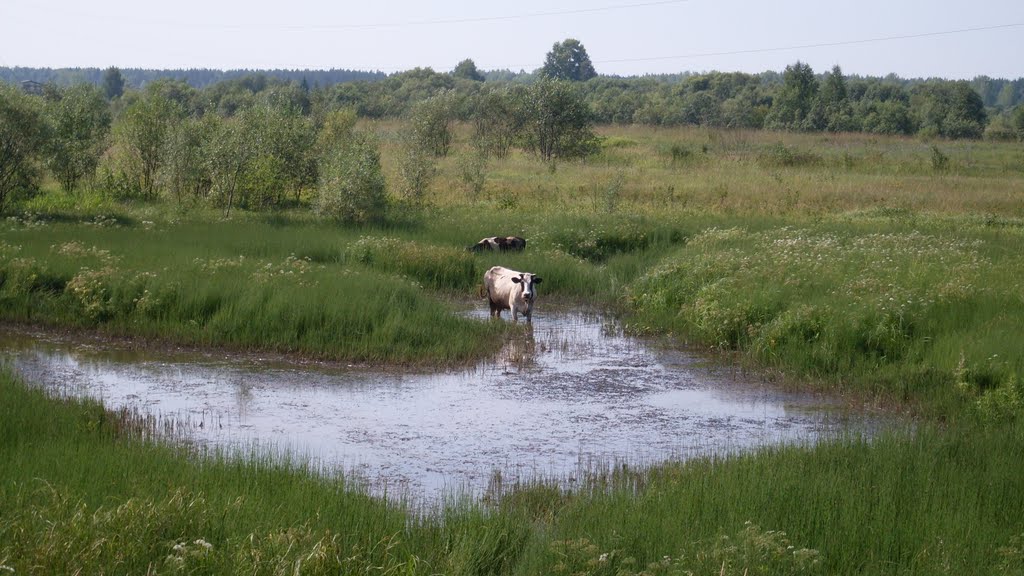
574	392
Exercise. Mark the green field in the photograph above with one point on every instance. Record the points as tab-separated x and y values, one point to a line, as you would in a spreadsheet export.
888	271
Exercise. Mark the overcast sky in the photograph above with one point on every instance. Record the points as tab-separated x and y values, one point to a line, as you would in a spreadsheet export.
911	38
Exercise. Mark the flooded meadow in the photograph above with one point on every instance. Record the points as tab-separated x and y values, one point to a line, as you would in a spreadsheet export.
569	395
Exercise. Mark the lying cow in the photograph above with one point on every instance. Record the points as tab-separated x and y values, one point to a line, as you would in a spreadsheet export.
510	290
500	243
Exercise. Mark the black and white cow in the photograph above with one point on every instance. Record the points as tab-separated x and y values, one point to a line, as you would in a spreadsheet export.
510	290
500	243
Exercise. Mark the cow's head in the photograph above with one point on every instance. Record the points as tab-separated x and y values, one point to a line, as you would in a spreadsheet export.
527	280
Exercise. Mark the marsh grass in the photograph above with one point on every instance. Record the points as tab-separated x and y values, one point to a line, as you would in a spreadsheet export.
843	262
910	311
242	285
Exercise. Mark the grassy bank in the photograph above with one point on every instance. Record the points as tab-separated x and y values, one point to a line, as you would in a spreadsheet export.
925	311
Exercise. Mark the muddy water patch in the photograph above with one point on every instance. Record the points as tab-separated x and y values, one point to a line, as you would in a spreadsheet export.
569	392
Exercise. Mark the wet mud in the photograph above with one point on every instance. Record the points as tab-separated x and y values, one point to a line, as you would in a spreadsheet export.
569	395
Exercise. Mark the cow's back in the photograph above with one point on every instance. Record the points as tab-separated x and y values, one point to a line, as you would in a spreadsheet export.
499	278
498	284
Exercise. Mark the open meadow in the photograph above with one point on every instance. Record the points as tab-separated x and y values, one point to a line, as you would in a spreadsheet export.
887	271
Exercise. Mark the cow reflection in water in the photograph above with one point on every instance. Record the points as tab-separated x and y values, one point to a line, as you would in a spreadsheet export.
519	351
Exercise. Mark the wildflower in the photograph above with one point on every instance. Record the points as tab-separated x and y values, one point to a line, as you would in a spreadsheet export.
603	558
203	543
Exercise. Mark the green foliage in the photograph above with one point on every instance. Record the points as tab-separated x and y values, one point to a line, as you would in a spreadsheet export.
792	105
750	551
440	268
229	152
599	243
890	117
560	125
22	139
568	60
79	121
352	187
113	83
499	116
430	123
781	156
185	171
239	286
953	110
141	131
939	160
282	144
417	166
472	166
467	70
1018	121
864	309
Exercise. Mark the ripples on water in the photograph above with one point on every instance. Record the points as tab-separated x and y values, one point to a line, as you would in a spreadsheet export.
572	393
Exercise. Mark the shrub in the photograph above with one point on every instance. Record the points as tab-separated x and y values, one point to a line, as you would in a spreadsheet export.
352	187
781	156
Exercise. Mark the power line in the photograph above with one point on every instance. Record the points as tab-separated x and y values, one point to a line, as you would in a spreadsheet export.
772	49
818	45
478	19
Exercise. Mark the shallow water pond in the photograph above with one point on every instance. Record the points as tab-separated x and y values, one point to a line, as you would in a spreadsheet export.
572	394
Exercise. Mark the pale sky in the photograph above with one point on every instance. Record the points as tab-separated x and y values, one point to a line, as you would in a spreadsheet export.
911	38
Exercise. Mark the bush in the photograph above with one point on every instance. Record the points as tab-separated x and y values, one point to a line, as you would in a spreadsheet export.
781	156
352	187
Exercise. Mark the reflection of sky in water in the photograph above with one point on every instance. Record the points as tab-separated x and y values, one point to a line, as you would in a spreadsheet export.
572	390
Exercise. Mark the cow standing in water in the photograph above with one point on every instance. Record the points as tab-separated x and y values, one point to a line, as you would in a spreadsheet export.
510	290
500	243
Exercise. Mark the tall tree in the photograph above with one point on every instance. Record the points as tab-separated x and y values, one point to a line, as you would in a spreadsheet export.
832	110
22	134
185	169
560	123
499	117
950	109
352	186
142	129
113	83
79	120
467	70
431	122
568	60
793	103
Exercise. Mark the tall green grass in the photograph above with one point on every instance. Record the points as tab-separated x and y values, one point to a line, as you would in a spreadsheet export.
372	295
917	312
244	285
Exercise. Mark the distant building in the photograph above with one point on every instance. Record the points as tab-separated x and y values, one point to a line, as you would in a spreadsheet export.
32	87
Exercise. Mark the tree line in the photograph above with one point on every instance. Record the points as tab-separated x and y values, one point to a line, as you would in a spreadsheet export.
258	140
795	99
257	143
195	77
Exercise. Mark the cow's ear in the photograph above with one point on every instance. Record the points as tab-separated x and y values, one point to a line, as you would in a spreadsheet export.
516	279
537	279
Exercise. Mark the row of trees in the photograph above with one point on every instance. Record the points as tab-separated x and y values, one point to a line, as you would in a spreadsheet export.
195	77
256	141
796	99
802	100
267	149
